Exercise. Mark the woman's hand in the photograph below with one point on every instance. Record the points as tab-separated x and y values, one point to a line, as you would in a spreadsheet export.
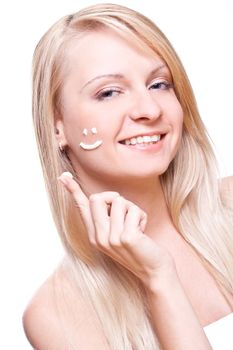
116	227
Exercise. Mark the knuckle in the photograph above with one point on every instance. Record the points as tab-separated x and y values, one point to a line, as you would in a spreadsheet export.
103	196
114	242
136	208
116	194
110	195
132	206
118	199
101	242
126	240
94	197
93	242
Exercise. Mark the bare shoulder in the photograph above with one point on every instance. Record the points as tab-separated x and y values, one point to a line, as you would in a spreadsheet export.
40	321
58	319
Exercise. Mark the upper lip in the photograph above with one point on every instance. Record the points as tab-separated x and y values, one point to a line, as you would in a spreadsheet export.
146	133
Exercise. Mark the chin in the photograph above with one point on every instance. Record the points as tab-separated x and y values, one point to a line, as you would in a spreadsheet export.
143	174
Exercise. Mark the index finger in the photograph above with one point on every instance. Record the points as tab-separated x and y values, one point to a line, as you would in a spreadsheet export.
80	198
73	187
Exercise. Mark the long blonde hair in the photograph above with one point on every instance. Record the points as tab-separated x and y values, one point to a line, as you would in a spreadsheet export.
190	183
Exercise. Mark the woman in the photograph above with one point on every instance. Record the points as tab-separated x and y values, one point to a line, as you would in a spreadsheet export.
144	220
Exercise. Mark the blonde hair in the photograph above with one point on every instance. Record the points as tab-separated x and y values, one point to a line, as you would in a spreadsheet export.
190	184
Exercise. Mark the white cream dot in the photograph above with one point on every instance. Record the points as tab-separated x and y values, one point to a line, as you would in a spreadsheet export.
67	173
93	130
85	132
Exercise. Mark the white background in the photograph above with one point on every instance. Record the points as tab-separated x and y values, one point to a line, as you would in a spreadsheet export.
202	33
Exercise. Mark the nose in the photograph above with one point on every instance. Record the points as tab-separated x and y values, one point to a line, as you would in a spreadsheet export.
145	107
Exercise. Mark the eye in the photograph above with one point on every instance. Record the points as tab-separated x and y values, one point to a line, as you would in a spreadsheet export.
107	94
161	85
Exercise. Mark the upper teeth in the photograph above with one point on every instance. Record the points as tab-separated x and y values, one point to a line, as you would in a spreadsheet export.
142	139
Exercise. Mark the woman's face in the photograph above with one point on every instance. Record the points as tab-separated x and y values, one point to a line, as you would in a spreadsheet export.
128	98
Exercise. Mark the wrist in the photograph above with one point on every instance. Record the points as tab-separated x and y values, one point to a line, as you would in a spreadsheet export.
163	282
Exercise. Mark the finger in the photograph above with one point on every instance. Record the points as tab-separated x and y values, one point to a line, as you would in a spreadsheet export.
107	196
80	199
73	187
117	217
99	203
132	225
143	221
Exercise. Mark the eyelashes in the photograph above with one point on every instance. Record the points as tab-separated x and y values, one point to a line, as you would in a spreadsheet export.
162	85
111	92
107	93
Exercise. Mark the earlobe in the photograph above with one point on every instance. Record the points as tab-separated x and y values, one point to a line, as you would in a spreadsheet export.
60	135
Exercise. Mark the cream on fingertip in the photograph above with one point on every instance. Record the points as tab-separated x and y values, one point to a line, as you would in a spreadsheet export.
68	174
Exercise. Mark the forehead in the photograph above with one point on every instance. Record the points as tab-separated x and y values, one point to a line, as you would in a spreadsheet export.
104	52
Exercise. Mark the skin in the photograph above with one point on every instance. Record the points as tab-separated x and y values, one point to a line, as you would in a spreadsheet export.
121	200
141	104
137	103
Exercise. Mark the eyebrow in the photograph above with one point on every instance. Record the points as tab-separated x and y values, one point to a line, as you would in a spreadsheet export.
116	76
157	69
120	76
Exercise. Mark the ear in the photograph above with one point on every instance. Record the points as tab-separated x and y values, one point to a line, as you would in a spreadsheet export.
60	135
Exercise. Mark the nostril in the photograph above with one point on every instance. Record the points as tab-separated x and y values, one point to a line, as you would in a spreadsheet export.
145	115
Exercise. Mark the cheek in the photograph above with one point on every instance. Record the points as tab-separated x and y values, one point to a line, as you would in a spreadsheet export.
178	114
174	113
73	132
176	118
77	125
84	130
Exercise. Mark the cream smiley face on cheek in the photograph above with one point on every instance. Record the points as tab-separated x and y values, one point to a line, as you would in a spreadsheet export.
90	146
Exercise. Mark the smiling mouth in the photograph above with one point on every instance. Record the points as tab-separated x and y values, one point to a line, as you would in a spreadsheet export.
142	140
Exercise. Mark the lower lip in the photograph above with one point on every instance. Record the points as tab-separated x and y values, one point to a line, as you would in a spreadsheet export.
153	147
